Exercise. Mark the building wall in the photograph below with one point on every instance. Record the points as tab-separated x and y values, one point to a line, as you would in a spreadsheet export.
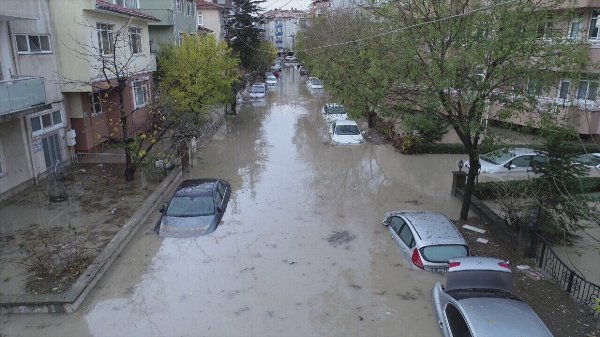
212	21
169	33
15	164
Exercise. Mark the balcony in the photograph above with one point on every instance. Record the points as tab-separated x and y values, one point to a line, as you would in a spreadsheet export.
20	94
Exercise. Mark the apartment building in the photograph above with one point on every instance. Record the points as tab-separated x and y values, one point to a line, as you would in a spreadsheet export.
210	19
175	18
93	33
319	7
282	26
33	122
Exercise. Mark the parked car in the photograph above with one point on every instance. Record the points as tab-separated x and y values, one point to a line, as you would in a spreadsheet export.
428	239
510	160
477	300
345	132
303	71
290	59
591	160
195	209
334	112
258	91
314	83
271	81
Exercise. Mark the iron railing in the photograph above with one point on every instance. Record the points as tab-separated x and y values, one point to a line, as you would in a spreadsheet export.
582	290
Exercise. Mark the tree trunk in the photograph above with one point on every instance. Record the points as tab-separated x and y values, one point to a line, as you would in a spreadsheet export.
129	170
473	170
371	117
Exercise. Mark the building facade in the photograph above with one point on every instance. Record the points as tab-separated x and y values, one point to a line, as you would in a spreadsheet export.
90	33
175	18
210	19
319	7
33	122
282	26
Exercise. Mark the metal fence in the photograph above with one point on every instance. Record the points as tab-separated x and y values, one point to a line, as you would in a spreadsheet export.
582	290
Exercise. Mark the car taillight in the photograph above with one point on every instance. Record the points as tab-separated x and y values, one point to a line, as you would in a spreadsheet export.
504	265
416	258
453	264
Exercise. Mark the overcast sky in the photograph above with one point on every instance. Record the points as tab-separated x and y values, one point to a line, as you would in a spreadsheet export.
286	4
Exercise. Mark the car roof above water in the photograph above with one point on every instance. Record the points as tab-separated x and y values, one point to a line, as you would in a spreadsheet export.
345	122
432	227
195	187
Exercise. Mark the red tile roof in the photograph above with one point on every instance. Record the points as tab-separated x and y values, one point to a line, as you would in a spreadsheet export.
102	4
201	4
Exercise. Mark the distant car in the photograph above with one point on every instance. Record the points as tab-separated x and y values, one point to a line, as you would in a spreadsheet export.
314	83
591	160
276	67
428	239
258	91
345	132
195	209
334	112
477	300
510	160
290	59
303	71
271	81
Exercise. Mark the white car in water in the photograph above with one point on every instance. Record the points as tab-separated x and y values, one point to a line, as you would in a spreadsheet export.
314	83
258	91
271	81
345	132
334	112
510	160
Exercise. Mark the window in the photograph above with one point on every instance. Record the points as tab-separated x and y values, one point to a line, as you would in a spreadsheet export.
179	6
545	31
51	147
33	44
534	87
200	19
140	93
135	40
407	236
180	39
594	26
563	92
105	38
189	8
587	90
135	4
46	122
396	224
522	161
456	322
96	104
575	27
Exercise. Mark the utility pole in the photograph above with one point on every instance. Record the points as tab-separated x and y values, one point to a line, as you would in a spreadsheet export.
293	36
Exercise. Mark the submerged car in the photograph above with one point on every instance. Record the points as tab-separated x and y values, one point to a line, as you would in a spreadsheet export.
303	71
314	83
258	91
510	160
428	239
590	160
195	209
334	112
271	81
477	300
345	132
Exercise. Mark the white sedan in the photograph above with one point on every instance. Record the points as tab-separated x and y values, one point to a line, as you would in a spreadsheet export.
314	83
345	132
510	160
271	81
258	91
334	112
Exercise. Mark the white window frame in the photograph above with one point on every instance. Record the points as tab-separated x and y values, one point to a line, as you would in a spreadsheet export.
179	6
565	100
145	83
109	30
93	103
199	18
46	129
28	40
576	20
138	32
594	21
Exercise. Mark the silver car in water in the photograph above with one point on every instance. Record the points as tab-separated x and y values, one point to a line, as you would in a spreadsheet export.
427	239
477	301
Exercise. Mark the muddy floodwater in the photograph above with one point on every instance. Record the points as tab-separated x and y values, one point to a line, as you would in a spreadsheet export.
300	251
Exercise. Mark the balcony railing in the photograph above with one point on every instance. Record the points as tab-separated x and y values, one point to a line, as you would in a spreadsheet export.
21	93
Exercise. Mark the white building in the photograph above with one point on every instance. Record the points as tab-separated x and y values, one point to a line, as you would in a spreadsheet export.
282	26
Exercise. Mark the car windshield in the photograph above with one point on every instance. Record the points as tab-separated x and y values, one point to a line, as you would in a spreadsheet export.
335	110
257	89
316	81
588	159
443	253
479	279
347	130
272	78
195	205
498	157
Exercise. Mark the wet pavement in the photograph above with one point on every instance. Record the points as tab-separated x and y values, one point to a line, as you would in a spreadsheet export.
301	250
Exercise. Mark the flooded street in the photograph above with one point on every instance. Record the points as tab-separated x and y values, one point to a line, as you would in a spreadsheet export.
300	251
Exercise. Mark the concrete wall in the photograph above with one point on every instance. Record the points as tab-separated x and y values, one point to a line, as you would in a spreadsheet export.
212	21
13	155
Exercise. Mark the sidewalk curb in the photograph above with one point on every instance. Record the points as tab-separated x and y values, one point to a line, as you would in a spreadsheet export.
71	299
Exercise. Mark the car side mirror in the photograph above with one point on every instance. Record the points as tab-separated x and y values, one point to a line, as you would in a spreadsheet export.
385	222
162	209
